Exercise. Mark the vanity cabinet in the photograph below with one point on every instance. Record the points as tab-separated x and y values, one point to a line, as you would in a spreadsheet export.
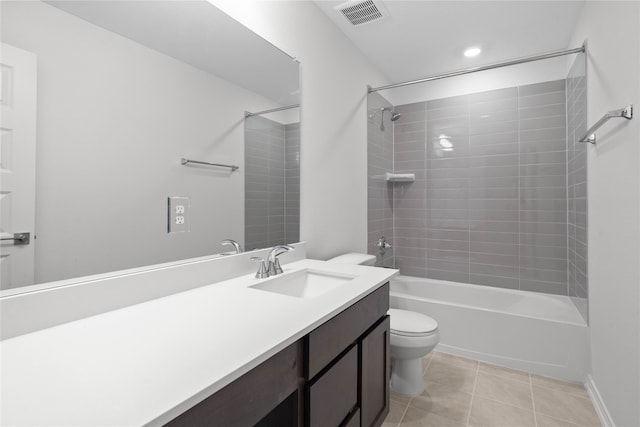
337	375
351	352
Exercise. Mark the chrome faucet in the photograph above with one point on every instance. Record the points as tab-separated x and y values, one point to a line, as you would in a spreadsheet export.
274	264
383	245
233	243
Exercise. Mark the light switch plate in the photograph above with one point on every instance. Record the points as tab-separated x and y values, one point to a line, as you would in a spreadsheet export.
178	214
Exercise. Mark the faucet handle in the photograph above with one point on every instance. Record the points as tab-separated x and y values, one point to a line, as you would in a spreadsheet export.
262	272
275	267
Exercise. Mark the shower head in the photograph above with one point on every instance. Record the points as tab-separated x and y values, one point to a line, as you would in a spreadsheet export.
394	116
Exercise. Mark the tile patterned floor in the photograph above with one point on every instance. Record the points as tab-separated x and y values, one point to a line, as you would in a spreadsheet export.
463	392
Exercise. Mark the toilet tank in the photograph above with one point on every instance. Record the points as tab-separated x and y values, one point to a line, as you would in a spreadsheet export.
355	258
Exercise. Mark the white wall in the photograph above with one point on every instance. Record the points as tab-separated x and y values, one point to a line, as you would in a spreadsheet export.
612	30
334	75
114	119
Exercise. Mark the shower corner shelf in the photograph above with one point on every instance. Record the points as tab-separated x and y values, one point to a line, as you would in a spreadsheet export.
400	177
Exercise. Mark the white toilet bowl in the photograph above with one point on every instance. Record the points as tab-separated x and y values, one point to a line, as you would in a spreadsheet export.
413	336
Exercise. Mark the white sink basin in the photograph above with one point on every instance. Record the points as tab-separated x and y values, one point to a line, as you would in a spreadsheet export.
305	283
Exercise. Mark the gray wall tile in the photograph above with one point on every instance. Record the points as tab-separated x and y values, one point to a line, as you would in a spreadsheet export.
493	237
492	95
546	287
272	177
544	87
493	209
577	183
549	98
494	270
543	111
495	281
380	195
490	106
508	260
452	276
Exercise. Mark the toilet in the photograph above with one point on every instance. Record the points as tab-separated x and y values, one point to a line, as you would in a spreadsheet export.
413	336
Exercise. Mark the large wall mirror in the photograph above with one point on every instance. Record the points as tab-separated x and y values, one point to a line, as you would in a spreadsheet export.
123	92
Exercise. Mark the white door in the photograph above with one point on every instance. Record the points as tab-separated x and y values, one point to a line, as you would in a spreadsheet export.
17	165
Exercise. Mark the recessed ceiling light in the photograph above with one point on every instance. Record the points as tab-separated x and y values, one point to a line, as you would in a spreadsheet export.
472	51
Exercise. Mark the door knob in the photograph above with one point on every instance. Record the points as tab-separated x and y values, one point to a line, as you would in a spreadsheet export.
19	238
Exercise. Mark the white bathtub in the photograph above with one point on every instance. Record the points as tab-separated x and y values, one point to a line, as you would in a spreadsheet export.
538	333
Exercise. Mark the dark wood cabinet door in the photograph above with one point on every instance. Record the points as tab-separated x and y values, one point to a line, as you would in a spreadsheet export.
375	370
353	420
334	394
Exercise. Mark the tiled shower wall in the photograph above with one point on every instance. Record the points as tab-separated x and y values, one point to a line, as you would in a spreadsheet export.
380	161
272	182
577	184
292	183
489	204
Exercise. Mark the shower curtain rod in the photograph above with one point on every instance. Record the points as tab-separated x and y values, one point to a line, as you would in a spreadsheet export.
273	110
482	68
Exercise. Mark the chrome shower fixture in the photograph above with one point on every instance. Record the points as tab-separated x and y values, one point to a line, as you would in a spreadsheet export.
394	116
383	245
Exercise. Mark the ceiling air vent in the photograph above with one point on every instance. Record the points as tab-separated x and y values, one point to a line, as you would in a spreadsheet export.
361	12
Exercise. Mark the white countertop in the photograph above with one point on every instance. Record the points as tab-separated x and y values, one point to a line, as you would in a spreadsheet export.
147	363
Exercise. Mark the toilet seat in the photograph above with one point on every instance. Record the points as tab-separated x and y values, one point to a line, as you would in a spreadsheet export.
411	324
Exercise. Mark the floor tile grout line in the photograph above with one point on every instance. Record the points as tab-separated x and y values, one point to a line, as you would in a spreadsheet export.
508	378
406	409
586	397
561	420
503	403
533	402
473	393
429	359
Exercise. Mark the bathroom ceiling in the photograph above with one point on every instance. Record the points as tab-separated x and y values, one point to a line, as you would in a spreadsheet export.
419	38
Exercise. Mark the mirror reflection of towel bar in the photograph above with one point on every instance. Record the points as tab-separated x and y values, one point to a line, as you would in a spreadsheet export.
184	161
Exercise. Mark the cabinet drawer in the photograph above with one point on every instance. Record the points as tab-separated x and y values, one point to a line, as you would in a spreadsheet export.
334	395
333	337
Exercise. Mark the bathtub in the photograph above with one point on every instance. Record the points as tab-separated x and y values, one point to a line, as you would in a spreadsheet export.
539	333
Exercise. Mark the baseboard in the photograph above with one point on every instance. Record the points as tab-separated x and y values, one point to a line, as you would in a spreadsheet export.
598	403
557	371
